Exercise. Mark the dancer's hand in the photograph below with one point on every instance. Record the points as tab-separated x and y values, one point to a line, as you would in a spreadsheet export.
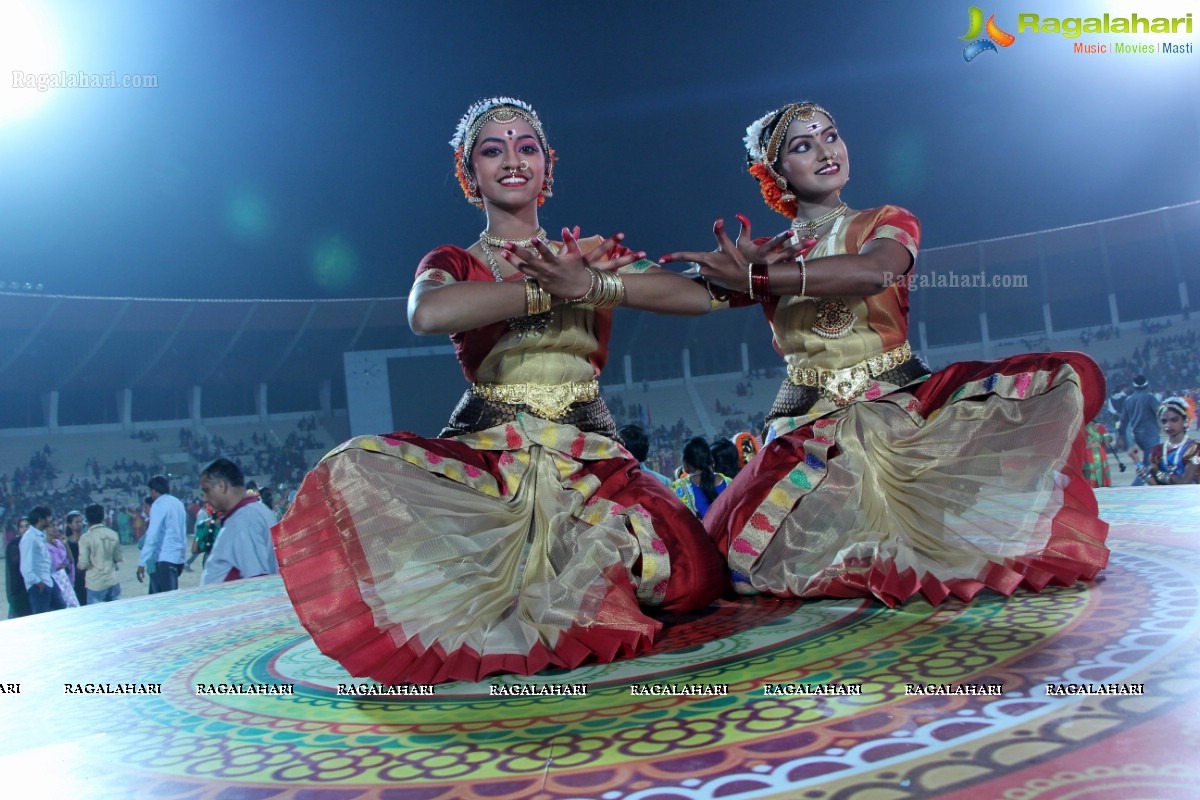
564	274
729	264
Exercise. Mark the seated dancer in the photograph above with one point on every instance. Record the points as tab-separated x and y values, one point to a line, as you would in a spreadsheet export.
878	478
1178	460
524	537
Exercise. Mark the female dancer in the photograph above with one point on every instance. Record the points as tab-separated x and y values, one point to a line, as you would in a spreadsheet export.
1177	461
524	537
880	479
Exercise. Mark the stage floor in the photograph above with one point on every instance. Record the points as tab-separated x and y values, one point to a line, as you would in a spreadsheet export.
820	700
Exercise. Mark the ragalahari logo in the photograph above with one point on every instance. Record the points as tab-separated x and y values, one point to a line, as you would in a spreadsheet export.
996	36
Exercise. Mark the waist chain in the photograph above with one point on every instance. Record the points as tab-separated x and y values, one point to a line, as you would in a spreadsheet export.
548	401
843	385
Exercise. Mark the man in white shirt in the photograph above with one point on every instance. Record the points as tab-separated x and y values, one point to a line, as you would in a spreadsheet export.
165	543
243	548
35	564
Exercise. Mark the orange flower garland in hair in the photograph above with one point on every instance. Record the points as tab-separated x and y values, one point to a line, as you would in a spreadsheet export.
762	149
771	191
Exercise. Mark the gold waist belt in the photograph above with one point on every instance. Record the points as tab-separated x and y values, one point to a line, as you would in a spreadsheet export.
843	385
546	400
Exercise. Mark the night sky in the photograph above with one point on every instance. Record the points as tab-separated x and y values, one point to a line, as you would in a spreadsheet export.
299	149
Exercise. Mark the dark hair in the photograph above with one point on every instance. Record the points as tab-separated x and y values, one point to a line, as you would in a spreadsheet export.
37	514
267	496
94	514
224	470
636	441
698	456
725	457
159	484
72	515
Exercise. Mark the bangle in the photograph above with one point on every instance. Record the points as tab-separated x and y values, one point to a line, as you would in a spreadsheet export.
593	287
537	300
760	282
803	275
1162	477
606	291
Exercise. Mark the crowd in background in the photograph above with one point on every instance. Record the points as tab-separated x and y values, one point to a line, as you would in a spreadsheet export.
1169	362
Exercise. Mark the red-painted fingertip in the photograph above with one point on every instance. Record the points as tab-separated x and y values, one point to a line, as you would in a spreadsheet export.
719	225
665	259
508	247
641	254
744	220
567	235
505	254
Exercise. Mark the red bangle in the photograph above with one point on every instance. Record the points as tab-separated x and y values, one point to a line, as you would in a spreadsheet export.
760	282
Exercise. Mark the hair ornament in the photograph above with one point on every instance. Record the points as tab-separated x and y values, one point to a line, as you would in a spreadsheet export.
763	139
502	110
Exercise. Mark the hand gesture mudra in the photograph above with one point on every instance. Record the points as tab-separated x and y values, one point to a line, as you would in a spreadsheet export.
564	274
728	265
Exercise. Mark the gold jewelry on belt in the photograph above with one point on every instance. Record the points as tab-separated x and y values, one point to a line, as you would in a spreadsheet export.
843	385
546	400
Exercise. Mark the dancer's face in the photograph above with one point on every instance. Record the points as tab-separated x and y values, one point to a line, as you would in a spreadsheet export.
1172	423
813	158
508	163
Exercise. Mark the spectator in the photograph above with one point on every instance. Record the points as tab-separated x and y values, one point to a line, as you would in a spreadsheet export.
14	582
165	544
1139	425
243	548
725	458
74	532
701	485
99	555
35	564
638	446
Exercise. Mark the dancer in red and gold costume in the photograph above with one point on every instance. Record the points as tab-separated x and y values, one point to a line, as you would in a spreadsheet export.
524	537
879	478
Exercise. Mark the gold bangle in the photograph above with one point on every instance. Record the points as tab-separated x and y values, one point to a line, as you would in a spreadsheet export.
593	286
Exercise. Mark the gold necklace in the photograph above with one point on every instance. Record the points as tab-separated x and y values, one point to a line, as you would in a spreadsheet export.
811	225
530	323
499	241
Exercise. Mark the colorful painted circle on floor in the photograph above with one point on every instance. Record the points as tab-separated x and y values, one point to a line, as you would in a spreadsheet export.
754	698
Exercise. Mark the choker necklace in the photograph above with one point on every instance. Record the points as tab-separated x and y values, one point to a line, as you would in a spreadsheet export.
810	226
499	241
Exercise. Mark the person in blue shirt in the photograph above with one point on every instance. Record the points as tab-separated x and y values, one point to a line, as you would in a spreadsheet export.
702	484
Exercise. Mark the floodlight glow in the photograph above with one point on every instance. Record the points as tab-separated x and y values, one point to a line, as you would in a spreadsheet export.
28	47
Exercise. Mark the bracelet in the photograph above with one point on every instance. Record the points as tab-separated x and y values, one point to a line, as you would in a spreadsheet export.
1162	477
606	291
803	275
537	300
760	282
593	287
